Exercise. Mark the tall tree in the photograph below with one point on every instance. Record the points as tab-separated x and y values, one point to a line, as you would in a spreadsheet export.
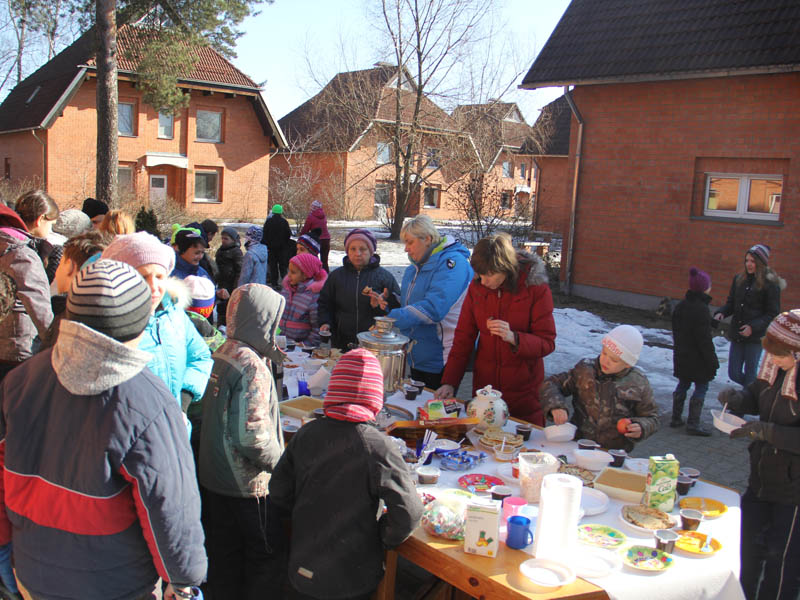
107	129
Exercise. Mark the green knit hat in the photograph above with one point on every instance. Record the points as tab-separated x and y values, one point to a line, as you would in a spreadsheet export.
277	209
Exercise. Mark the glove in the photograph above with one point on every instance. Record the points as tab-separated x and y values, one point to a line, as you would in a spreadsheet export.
756	430
732	397
6	571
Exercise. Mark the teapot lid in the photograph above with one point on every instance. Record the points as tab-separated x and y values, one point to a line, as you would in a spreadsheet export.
489	391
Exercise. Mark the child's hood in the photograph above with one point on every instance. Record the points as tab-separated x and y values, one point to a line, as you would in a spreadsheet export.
254	311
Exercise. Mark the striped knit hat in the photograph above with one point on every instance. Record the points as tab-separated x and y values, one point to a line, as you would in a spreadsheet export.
110	297
355	389
311	244
761	252
783	333
203	294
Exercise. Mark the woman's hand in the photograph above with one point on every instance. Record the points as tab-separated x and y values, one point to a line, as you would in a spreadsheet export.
444	392
325	327
719	316
745	331
501	329
634	431
377	300
223	294
559	416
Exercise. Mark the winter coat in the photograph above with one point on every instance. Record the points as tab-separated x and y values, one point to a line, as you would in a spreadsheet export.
241	439
254	265
316	219
183	269
212	336
516	371
342	304
229	264
750	306
277	233
693	357
331	478
431	297
300	320
100	495
600	400
774	464
181	358
32	313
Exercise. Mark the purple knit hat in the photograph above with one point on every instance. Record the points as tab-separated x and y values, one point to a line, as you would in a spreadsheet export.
365	235
699	281
139	249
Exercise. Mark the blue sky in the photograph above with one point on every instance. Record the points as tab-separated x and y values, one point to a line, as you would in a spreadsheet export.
280	42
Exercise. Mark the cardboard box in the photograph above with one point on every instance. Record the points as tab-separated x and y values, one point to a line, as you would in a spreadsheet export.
482	530
621	484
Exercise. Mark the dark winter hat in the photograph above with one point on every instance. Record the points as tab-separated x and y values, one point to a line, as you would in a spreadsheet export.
92	207
185	238
699	281
783	333
232	233
365	235
355	389
310	241
761	252
110	297
197	227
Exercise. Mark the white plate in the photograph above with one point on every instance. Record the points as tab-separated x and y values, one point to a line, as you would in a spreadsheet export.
642	530
637	465
444	445
593	502
547	573
594	562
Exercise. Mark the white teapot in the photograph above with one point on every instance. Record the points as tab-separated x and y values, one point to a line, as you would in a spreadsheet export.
488	406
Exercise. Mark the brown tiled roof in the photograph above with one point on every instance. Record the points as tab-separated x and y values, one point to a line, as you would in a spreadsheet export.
491	128
333	119
550	133
28	105
602	41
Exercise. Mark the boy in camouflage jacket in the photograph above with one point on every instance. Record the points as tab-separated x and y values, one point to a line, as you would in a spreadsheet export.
604	391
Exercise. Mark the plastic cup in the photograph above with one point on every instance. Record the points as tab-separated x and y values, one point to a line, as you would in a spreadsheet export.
512	506
665	540
588	445
690	472
319	413
683	485
619	457
690	519
289	431
411	392
501	492
519	532
524	431
515	468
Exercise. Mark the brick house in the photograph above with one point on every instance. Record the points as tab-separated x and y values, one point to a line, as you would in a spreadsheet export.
340	149
211	157
685	142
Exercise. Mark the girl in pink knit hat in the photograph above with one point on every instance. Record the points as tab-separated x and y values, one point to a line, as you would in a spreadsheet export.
301	288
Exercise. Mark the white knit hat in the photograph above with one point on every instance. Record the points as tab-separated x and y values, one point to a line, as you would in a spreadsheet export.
626	342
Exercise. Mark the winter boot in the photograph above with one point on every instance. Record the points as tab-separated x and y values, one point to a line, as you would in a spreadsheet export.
693	426
678	401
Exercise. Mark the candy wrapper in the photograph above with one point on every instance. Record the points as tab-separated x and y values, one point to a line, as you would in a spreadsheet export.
446	516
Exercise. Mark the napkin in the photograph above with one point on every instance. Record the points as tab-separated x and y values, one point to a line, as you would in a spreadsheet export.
319	379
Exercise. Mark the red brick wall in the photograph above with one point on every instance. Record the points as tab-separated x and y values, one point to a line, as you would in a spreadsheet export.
25	157
638	223
553	193
242	157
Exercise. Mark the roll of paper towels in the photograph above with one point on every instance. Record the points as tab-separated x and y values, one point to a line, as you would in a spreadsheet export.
557	526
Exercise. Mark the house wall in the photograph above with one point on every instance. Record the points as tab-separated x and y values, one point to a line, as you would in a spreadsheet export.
24	156
315	175
241	159
639	217
553	195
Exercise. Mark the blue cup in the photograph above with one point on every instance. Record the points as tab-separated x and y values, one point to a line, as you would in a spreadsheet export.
519	532
302	388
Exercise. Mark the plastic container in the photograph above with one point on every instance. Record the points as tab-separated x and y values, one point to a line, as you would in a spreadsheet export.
594	460
727	422
621	484
560	433
428	475
533	466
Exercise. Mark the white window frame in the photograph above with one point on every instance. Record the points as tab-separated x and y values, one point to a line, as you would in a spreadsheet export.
383	186
508	169
741	211
437	197
132	132
218	113
171	117
216	174
383	154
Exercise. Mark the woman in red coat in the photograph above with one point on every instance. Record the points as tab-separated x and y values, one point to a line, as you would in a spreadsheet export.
509	304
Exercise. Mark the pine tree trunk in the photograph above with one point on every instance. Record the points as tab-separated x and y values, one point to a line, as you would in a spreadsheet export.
107	132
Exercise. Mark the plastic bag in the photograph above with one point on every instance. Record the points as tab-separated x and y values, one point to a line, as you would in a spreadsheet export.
446	516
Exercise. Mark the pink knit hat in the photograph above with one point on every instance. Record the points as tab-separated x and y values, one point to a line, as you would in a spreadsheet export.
139	249
365	235
309	264
355	389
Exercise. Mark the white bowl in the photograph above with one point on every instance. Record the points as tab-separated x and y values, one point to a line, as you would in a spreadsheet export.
726	422
594	460
560	433
313	364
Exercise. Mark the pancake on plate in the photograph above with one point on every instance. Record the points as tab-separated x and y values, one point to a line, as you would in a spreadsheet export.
646	517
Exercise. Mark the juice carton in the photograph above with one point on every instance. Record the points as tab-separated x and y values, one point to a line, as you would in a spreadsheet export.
482	530
662	478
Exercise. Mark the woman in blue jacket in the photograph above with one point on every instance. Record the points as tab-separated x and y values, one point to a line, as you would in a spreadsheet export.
180	356
433	289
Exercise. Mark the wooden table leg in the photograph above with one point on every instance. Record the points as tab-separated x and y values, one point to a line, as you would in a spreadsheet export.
385	589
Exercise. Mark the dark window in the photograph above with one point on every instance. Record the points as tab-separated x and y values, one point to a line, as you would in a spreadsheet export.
8	168
505	200
383	194
431	197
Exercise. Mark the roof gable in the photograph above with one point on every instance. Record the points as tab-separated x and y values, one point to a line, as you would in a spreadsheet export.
644	40
550	133
493	126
